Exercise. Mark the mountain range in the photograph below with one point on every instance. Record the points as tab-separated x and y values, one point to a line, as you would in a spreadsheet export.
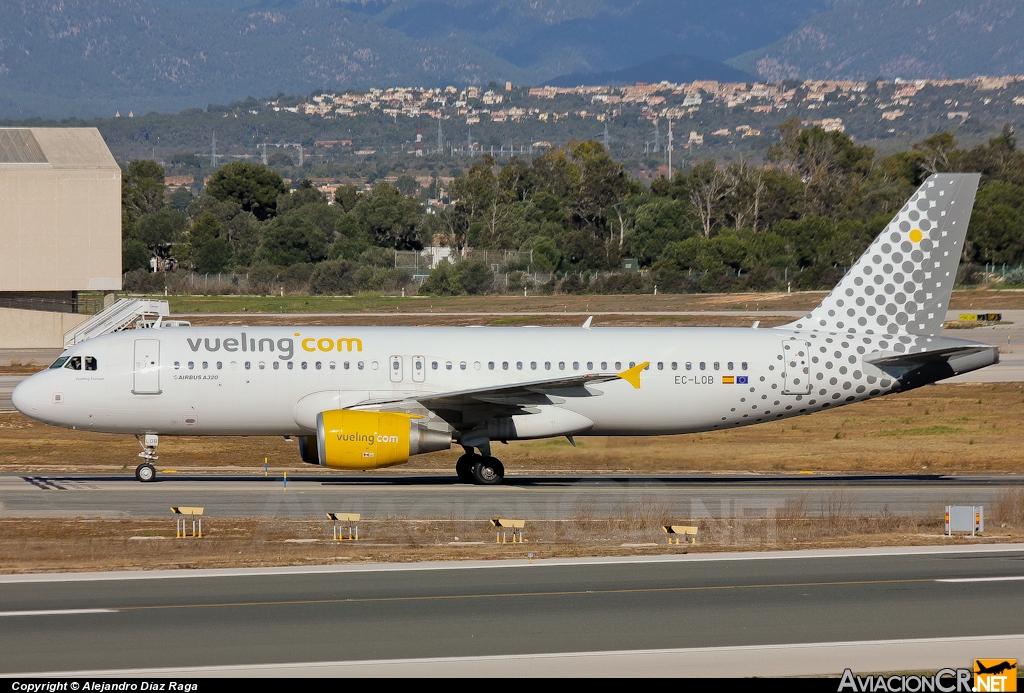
91	57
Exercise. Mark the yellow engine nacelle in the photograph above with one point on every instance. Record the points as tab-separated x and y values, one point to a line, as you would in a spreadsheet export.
368	440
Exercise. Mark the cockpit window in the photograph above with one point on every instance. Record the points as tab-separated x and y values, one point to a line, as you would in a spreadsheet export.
90	363
74	363
59	362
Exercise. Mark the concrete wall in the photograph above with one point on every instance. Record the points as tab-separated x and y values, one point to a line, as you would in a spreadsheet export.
60	219
29	329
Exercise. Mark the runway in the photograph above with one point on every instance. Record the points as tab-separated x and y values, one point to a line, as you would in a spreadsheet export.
380	495
810	612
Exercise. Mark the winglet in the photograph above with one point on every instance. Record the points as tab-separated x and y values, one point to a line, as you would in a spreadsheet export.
586	325
632	376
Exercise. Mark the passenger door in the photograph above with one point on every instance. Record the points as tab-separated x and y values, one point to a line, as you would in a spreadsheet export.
797	374
147	367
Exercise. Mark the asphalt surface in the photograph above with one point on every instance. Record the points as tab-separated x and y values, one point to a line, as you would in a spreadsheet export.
252	618
535	497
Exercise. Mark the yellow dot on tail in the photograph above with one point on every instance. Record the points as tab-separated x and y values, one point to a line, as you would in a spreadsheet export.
916	235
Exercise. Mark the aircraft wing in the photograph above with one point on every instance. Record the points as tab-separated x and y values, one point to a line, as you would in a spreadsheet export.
515	397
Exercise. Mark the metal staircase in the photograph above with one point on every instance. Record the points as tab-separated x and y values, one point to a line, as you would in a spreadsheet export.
117	317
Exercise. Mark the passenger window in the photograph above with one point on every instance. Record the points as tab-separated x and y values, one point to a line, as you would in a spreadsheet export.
504	365
575	365
604	365
632	364
305	365
277	365
702	365
447	365
191	365
206	365
347	365
729	365
177	365
743	365
332	365
476	365
590	365
547	365
360	365
291	365
519	365
234	365
462	365
248	365
395	365
373	365
661	366
59	362
533	365
90	363
433	365
263	365
561	365
319	365
675	366
716	365
220	365
689	366
490	365
618	365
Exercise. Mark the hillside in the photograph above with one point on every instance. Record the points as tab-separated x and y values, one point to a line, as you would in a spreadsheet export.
92	57
896	38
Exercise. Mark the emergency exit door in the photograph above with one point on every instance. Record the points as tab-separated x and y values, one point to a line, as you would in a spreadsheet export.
797	357
147	367
396	369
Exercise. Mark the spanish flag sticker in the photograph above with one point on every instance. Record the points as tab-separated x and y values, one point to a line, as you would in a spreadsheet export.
728	380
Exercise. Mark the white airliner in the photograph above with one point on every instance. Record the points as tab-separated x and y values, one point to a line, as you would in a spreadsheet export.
369	397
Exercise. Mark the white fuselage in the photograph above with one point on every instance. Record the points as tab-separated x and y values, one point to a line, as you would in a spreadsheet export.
201	381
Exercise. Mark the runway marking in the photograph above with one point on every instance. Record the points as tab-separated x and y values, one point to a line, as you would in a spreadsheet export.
776	659
58	612
508	595
1008	578
982	550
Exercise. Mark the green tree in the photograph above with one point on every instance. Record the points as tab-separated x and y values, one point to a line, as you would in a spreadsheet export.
134	255
142	191
253	186
390	218
290	240
158	230
208	251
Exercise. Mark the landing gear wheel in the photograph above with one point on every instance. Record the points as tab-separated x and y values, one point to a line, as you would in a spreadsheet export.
464	468
488	472
145	472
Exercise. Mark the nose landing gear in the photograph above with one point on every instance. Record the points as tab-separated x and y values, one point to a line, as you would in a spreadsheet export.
146	471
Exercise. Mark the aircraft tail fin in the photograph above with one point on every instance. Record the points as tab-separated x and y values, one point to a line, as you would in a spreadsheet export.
902	282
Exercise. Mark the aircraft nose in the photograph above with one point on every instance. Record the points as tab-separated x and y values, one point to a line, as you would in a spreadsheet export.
26	397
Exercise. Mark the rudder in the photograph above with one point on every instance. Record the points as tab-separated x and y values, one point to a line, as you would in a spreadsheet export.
902	282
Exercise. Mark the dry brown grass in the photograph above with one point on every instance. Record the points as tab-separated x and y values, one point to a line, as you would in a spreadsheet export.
56	545
942	429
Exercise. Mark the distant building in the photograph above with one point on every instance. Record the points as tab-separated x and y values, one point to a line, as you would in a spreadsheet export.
60	231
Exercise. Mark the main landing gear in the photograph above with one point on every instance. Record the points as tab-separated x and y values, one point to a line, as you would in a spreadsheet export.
479	469
146	471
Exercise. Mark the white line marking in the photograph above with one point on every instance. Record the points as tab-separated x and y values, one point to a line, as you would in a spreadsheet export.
58	612
816	658
514	563
1008	578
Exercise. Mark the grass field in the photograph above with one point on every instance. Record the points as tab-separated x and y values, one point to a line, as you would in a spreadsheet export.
57	545
372	303
939	429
